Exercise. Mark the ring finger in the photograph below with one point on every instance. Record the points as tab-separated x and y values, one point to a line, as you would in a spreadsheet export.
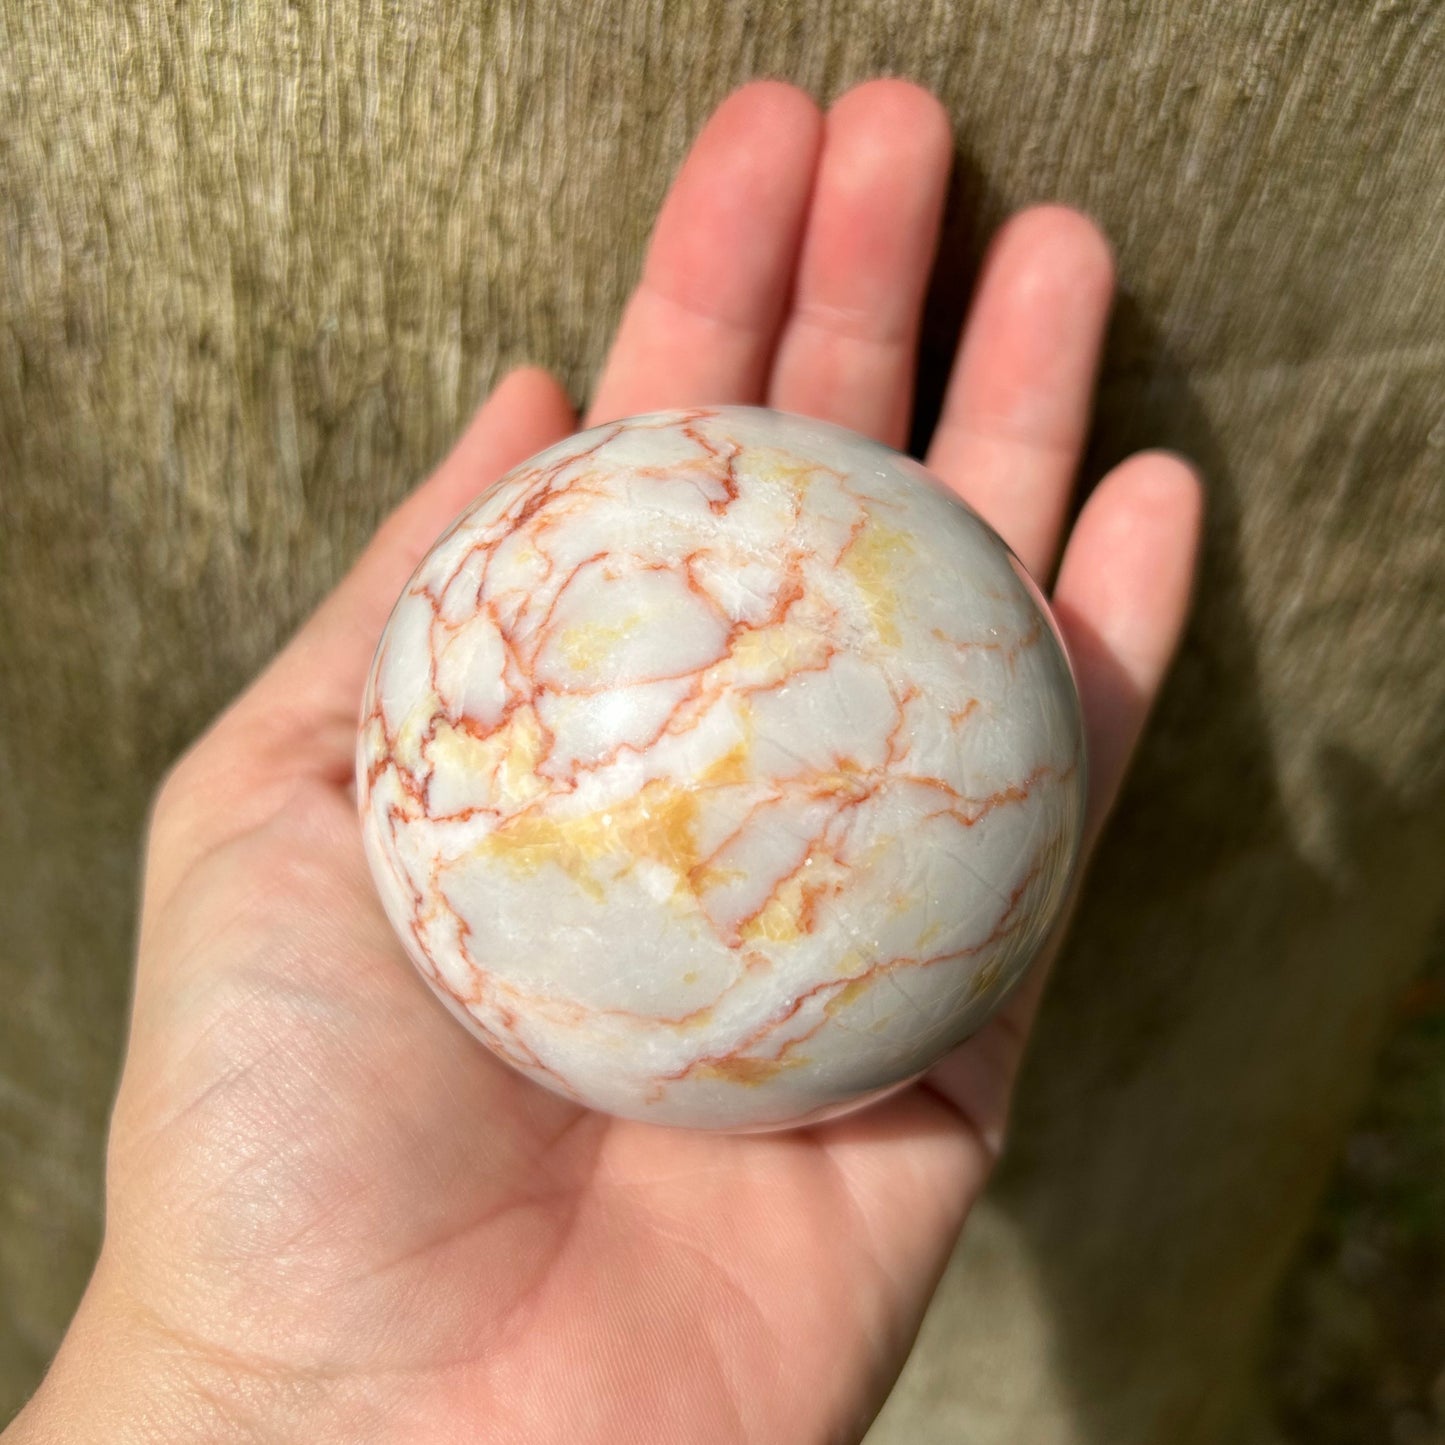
1017	409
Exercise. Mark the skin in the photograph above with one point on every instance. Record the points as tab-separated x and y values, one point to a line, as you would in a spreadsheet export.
331	1215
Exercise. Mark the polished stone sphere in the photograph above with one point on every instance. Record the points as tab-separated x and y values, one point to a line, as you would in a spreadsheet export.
720	768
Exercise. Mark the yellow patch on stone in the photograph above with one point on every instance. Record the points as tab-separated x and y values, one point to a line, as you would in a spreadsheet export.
730	767
587	645
770	654
658	825
411	735
873	562
849	780
848	995
522	743
776	921
763	654
707	876
745	1070
780	920
770	464
508	757
930	935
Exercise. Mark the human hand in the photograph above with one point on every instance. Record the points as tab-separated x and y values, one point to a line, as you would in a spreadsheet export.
331	1214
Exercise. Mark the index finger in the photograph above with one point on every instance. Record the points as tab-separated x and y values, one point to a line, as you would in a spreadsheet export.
701	325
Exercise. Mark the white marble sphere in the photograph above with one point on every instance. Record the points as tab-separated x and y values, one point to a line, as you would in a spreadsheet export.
720	768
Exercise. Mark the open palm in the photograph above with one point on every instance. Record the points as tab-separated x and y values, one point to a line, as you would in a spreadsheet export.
334	1216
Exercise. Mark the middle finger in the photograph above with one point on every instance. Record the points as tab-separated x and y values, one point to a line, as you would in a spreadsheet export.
846	352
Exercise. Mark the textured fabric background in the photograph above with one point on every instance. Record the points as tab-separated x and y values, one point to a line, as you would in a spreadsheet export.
257	262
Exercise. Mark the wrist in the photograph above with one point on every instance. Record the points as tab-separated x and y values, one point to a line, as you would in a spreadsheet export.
124	1376
121	1379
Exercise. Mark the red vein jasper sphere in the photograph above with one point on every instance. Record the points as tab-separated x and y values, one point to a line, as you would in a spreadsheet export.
720	768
